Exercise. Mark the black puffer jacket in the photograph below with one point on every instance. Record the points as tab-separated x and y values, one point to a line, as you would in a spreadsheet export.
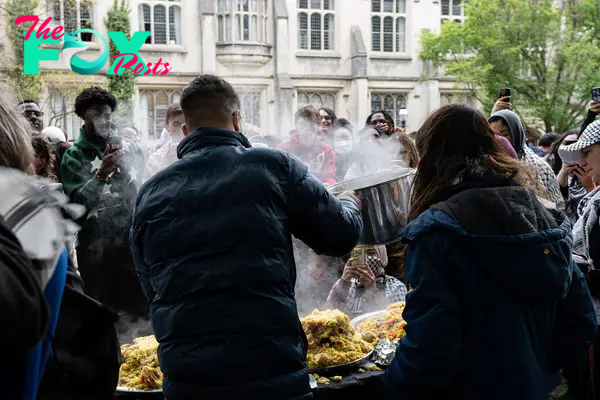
211	239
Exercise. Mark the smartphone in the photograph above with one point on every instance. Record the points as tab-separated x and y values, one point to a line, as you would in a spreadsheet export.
596	94
570	157
115	143
505	92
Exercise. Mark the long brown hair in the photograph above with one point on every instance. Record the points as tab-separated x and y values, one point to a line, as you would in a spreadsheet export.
411	156
456	142
43	150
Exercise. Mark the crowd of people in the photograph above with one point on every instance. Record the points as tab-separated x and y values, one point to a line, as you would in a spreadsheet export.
215	242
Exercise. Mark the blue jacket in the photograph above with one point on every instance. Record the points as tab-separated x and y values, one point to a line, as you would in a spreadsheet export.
497	305
211	239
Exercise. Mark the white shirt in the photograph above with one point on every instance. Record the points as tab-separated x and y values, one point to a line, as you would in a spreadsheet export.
163	157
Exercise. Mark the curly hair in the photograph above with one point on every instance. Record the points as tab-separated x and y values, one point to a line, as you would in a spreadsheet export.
93	96
43	150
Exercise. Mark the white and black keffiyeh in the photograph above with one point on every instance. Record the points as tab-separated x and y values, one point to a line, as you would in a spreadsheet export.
39	214
395	290
588	217
546	177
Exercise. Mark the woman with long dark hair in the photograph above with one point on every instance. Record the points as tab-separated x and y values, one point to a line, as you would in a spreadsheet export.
497	306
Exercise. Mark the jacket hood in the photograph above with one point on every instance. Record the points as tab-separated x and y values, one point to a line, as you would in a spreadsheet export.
515	125
207	137
507	233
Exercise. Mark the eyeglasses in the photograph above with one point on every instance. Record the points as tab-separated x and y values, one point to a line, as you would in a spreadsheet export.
35	113
568	142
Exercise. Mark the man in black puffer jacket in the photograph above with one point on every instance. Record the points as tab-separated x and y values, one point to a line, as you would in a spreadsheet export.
211	239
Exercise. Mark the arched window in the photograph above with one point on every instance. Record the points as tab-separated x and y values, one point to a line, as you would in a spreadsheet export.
162	19
317	100
74	15
388	25
242	20
250	105
390	102
316	25
452	10
153	106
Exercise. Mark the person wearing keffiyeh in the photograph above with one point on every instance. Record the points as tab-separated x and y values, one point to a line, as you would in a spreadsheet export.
365	288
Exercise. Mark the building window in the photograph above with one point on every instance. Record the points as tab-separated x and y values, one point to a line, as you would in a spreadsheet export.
316	25
74	15
163	20
242	20
452	10
388	25
317	100
62	115
250	110
153	110
392	103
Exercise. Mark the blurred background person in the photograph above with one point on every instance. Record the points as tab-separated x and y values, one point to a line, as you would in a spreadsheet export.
546	141
328	121
32	112
343	145
508	124
309	147
44	157
382	120
167	154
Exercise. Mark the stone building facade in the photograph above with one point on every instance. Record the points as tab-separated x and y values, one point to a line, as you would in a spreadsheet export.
349	55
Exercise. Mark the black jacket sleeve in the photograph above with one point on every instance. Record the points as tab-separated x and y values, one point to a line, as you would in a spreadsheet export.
23	308
591	116
328	225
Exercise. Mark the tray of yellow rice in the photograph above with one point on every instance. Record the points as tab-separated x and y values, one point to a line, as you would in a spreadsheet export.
383	324
333	344
140	370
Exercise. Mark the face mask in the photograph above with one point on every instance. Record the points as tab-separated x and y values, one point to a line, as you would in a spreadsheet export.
343	146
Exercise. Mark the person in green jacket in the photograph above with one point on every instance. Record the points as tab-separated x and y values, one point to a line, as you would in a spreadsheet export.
103	172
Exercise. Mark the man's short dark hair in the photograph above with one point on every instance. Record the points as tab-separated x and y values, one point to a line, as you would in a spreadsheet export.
173	111
208	98
547	139
93	96
28	101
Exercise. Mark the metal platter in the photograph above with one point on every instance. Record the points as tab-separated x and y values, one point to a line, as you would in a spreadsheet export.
131	390
340	368
354	322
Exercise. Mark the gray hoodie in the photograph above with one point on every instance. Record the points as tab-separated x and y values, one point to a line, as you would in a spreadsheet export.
515	125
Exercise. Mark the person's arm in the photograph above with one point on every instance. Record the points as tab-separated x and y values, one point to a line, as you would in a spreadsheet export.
137	252
593	111
23	309
576	329
329	169
329	225
427	358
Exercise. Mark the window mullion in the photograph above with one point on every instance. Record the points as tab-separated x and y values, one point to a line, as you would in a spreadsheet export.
152	28
168	24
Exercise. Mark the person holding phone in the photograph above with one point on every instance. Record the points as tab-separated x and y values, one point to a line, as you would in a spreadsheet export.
103	171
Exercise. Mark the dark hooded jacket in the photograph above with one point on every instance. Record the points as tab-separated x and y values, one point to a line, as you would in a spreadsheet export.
211	238
516	128
497	305
545	174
